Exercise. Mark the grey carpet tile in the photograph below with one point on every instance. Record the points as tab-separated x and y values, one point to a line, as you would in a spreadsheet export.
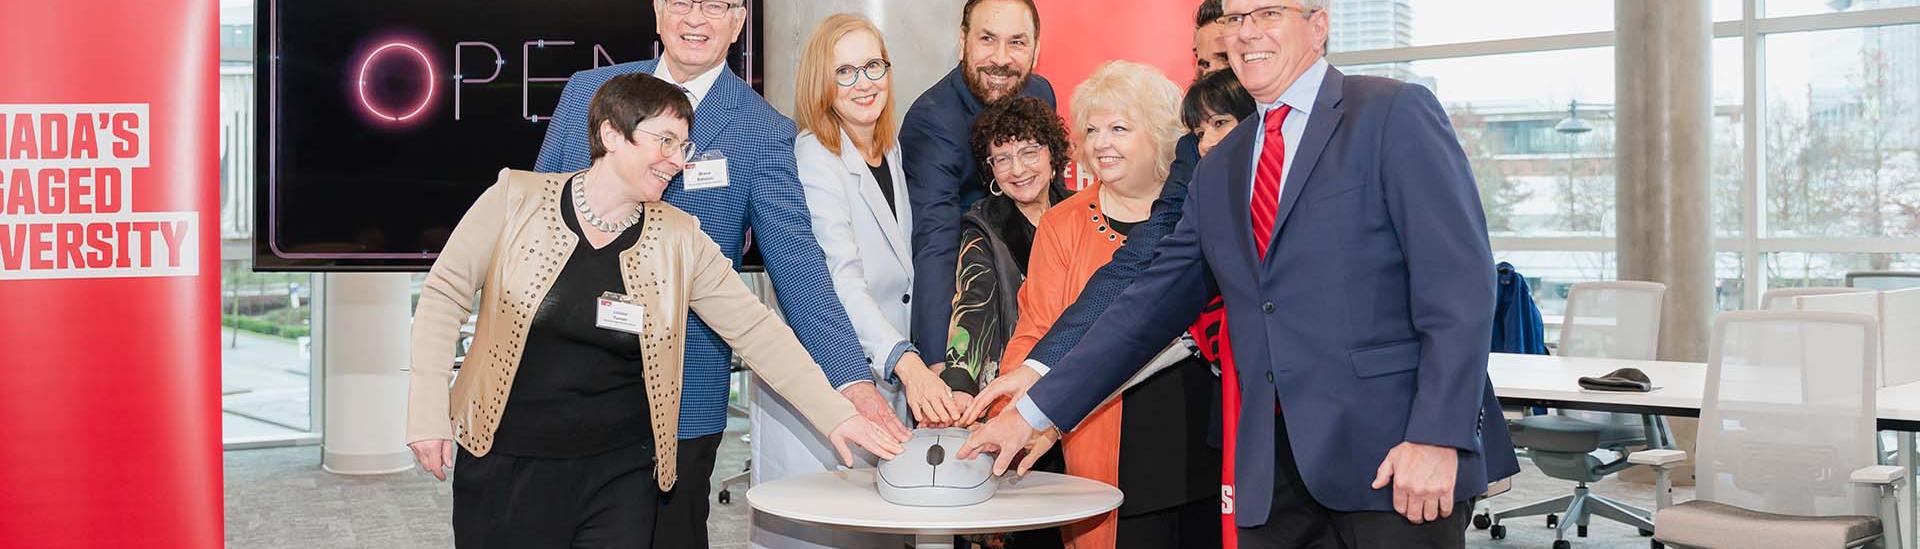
281	499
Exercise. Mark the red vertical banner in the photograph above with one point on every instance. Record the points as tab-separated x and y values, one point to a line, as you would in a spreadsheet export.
1076	36
109	274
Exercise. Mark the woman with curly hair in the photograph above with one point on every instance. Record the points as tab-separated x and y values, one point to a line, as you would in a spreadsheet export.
1022	146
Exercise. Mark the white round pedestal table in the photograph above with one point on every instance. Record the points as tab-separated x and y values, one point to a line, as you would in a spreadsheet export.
847	500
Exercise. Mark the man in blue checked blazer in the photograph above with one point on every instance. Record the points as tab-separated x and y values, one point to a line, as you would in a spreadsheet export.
763	195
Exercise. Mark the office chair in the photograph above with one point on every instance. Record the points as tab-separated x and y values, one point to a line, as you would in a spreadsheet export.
1782	298
1898	315
1899	349
1786	446
1605	320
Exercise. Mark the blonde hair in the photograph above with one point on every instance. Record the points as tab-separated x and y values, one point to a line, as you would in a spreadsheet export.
814	93
1141	94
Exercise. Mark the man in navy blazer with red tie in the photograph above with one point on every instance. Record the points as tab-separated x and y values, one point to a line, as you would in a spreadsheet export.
1344	229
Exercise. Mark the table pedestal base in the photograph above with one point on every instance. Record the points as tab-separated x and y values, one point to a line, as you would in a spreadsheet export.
925	541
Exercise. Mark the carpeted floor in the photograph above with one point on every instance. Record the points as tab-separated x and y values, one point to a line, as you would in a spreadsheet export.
280	499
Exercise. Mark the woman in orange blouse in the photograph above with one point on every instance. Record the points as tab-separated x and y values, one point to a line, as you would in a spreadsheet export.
1127	118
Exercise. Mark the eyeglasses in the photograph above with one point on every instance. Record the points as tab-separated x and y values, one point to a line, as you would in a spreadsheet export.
1263	18
1029	156
669	143
848	75
709	8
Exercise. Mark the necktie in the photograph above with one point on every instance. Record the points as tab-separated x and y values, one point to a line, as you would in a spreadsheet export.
1266	180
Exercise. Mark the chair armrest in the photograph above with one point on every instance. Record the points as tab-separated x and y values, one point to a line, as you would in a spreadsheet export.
1878	474
1498	487
1657	458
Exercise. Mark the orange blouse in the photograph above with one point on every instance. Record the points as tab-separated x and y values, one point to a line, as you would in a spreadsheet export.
1072	242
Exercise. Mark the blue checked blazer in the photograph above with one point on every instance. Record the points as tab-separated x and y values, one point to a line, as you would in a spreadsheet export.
764	195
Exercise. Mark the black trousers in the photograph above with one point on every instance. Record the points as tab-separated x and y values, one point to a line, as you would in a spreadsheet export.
682	514
603	500
1192	525
1297	521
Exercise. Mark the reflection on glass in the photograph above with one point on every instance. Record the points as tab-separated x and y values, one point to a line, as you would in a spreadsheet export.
1811	270
1541	147
265	351
1729	281
1356	25
265	337
1842	148
1780	8
1727	10
1729	136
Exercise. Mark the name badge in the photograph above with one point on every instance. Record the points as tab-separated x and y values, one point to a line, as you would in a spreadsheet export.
620	313
707	171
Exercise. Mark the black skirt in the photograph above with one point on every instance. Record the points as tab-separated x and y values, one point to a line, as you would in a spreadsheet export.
602	500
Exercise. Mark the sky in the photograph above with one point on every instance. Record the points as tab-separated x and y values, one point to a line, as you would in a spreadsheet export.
1587	75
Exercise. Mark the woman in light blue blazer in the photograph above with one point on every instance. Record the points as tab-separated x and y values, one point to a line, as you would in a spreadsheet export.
849	163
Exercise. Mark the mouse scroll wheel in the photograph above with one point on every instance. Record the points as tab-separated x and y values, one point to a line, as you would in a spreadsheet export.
936	454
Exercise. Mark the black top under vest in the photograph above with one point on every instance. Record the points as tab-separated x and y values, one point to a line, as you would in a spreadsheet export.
580	389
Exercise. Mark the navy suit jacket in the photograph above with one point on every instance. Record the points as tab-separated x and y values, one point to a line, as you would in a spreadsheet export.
943	181
763	194
1367	322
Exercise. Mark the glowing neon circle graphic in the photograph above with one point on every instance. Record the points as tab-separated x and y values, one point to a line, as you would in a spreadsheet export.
367	64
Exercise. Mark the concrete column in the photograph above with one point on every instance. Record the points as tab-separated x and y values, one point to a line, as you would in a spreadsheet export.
922	36
1663	162
364	348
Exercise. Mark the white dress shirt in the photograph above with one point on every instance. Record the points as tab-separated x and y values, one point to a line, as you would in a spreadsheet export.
698	87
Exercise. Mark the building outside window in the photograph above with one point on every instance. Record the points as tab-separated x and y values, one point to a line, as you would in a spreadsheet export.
1828	182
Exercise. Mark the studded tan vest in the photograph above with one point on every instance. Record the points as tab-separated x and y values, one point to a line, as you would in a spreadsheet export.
508	249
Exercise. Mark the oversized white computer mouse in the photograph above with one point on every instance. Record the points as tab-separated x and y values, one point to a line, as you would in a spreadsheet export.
928	475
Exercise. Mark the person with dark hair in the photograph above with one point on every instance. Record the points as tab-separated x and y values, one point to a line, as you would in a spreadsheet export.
1208	13
1025	151
1209	39
1022	146
999	43
755	189
1214	105
562	409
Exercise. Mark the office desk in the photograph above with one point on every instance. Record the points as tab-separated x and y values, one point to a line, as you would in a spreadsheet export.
846	499
1554	382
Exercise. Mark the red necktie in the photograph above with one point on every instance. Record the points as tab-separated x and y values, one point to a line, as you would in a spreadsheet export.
1266	180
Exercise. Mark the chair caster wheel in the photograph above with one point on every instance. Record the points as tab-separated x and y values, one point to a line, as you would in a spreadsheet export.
1580	530
1656	545
1553	521
1646	533
1482	521
1562	544
1498	532
726	497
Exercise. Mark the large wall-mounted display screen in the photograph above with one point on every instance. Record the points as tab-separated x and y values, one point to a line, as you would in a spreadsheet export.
382	121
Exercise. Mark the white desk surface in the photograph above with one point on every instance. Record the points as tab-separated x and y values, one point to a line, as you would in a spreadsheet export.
847	499
1681	384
